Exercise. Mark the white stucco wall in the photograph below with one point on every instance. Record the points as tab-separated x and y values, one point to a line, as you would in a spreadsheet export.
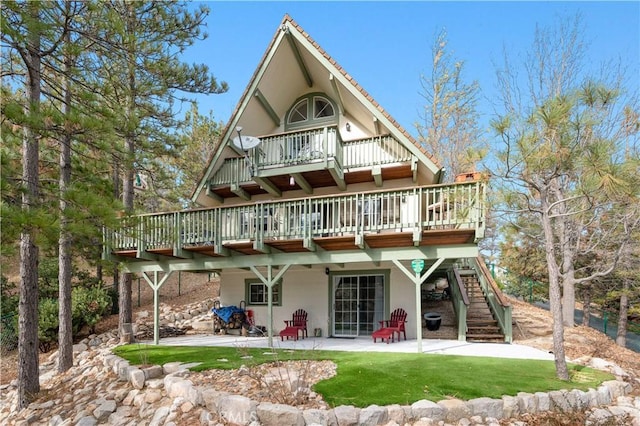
308	289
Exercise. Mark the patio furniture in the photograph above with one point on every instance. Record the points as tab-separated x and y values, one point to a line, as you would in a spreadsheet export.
298	322
289	332
396	322
383	334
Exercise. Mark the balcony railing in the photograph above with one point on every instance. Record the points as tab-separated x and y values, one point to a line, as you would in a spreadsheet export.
314	146
457	206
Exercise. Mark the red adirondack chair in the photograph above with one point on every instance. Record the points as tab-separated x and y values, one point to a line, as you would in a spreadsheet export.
298	322
396	323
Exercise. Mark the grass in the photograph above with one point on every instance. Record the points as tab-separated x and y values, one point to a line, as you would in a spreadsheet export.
389	378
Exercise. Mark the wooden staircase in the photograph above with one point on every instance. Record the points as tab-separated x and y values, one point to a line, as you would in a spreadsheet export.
481	325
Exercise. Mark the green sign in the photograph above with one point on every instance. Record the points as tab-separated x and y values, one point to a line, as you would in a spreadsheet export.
417	265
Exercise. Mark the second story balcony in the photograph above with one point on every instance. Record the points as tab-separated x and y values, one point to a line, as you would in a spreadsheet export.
308	159
428	215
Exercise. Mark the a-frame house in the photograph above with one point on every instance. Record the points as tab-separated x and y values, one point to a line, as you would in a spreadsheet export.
315	198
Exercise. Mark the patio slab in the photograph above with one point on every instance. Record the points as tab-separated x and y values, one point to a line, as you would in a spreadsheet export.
365	344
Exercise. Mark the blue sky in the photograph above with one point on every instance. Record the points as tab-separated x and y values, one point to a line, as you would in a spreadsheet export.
386	46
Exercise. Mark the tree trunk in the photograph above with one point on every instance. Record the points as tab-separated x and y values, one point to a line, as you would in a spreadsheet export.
124	287
623	313
65	330
568	253
555	301
124	291
28	374
568	299
586	309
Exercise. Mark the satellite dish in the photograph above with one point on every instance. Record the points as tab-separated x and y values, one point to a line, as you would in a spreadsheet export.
245	143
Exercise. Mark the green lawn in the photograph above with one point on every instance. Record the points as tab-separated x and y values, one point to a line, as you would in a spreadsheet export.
366	378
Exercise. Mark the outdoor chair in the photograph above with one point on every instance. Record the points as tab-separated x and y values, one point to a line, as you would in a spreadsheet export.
298	323
396	323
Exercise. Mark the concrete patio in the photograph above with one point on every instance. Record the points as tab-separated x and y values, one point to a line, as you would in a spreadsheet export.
364	344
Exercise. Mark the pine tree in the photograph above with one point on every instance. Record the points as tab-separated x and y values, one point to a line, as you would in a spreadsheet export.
141	44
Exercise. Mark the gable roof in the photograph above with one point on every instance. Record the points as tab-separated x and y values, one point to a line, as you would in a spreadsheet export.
309	54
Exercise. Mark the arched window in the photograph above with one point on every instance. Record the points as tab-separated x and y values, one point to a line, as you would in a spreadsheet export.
312	110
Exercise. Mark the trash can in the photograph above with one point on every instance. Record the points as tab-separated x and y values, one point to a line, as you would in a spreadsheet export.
317	332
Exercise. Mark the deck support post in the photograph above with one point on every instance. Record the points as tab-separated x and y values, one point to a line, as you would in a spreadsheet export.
417	281
270	281
155	286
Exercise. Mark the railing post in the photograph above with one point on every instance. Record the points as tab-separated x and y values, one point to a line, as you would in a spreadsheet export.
325	145
177	234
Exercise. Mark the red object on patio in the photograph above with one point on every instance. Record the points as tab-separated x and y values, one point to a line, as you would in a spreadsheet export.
383	334
298	322
289	332
396	323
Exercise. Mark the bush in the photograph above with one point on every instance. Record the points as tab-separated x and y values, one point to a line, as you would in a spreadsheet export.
48	323
8	297
88	306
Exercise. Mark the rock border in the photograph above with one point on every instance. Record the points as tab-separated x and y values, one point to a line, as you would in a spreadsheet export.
142	389
237	409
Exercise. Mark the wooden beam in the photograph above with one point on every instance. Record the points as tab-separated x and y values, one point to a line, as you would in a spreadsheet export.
298	56
414	168
309	244
222	251
320	257
268	186
261	247
376	125
376	172
302	183
213	195
267	107
336	92
360	242
338	178
235	188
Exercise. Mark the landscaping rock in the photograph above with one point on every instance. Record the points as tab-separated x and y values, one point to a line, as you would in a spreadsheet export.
428	409
346	415
373	415
279	414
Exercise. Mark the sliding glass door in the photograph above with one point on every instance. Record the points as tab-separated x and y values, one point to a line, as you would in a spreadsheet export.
358	304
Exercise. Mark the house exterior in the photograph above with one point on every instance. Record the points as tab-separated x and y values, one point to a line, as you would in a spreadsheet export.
316	199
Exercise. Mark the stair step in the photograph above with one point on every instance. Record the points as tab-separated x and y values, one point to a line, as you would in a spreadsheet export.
483	330
481	321
485	336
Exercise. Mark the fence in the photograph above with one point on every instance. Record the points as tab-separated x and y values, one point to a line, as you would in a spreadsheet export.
8	333
533	292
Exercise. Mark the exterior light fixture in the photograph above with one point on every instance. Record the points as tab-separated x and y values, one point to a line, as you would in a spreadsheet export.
348	126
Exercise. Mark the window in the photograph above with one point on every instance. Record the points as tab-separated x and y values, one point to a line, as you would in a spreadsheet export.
322	108
257	292
299	112
312	110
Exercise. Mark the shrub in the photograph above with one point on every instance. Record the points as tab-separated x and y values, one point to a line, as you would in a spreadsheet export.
48	323
88	306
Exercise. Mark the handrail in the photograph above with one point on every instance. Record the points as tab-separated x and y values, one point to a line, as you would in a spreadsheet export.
327	196
303	218
461	289
499	306
460	303
499	296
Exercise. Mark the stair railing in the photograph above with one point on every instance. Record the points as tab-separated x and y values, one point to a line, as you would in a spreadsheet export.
460	303
499	305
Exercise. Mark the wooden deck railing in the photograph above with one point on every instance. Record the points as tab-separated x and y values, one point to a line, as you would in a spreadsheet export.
309	147
453	206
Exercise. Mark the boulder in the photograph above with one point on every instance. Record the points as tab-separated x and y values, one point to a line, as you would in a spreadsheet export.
279	414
